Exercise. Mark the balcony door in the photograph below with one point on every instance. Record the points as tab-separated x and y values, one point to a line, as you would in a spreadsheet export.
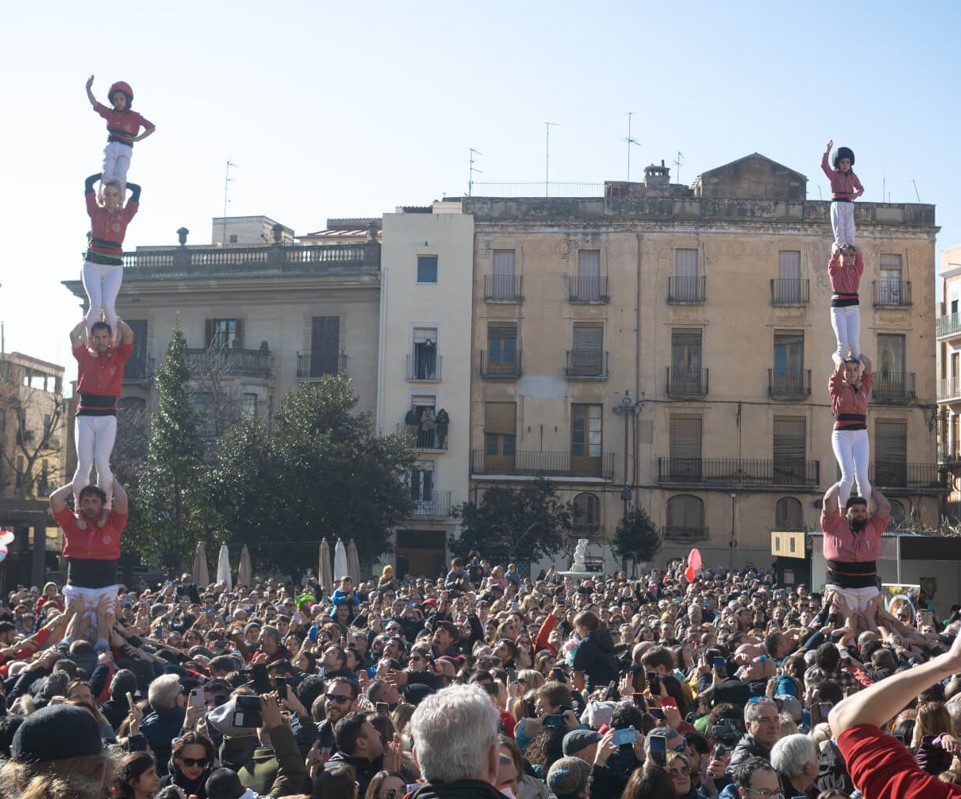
686	464
789	450
588	275
500	437
324	345
586	439
504	273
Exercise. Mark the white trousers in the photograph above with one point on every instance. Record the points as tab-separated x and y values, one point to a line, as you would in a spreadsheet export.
846	323
852	450
116	162
858	598
102	284
842	223
94	436
91	600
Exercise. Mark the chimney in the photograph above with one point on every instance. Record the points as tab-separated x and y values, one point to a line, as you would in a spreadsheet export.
657	177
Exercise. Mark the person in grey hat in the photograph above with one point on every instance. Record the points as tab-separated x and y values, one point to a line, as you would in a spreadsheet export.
568	778
582	744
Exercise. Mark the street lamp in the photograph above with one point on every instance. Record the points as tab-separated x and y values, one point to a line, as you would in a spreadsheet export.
627	408
733	542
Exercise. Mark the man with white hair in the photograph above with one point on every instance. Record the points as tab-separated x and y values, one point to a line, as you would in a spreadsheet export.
795	759
168	704
455	744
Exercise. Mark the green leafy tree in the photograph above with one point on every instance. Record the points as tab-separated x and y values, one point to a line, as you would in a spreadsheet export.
515	524
636	537
168	518
323	472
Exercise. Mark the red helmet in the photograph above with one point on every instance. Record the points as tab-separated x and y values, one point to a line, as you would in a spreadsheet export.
123	88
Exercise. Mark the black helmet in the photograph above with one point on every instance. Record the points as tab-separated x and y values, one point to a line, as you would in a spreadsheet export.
843	152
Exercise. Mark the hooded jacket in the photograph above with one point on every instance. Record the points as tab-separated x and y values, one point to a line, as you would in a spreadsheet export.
595	657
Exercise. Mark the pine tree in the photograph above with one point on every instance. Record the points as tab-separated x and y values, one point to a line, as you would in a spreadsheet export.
169	512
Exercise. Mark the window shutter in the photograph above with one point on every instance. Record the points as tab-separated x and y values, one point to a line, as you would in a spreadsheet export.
890	452
500	418
789	265
686	437
209	333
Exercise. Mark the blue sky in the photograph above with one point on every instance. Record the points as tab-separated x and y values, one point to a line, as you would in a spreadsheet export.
351	109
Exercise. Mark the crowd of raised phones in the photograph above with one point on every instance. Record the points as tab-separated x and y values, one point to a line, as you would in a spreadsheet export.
605	687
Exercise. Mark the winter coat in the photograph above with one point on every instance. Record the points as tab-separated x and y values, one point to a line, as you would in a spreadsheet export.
595	657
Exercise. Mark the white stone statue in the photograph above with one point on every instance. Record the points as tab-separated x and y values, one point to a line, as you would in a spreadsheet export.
580	553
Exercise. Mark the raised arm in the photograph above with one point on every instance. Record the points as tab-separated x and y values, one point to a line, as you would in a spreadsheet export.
882	506
76	339
867	363
830	506
119	497
126	333
58	499
135	190
825	165
90	97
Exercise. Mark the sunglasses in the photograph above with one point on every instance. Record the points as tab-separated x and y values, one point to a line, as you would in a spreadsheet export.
339	699
191	762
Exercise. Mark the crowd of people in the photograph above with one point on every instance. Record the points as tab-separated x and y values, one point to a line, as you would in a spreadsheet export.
480	683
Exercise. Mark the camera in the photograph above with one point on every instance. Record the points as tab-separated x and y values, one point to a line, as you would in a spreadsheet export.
726	732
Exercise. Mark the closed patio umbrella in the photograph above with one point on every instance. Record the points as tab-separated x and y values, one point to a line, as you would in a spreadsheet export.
245	572
200	573
353	562
325	577
340	560
223	568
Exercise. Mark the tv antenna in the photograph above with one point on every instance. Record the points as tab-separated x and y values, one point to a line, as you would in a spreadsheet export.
227	182
916	189
677	162
629	141
473	169
547	158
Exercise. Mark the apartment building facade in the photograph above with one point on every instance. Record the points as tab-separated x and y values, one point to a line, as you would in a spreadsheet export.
949	377
424	374
669	348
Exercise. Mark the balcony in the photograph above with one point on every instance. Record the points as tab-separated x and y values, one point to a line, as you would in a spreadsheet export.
230	361
949	388
892	293
502	288
544	464
894	475
310	367
789	384
686	290
419	438
893	388
437	507
674	532
686	383
139	370
586	365
587	290
949	457
423	368
948	325
503	368
732	472
790	291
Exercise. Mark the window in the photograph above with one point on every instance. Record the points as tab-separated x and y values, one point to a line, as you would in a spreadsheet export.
500	435
687	285
422	481
685	460
789	451
426	268
788	515
502	356
588	276
955	444
586	358
232	238
685	378
586	422
587	515
890	286
503	284
425	360
891	379
223	334
324	346
788	288
136	367
249	406
685	517
898	514
788	377
890	453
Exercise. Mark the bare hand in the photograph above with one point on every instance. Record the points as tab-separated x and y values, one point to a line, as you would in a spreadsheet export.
90	81
830	144
605	748
270	710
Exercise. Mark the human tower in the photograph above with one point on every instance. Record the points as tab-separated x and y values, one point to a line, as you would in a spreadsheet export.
850	387
102	343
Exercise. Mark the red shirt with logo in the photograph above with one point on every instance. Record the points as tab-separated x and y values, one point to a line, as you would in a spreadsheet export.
101	375
94	543
123	126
